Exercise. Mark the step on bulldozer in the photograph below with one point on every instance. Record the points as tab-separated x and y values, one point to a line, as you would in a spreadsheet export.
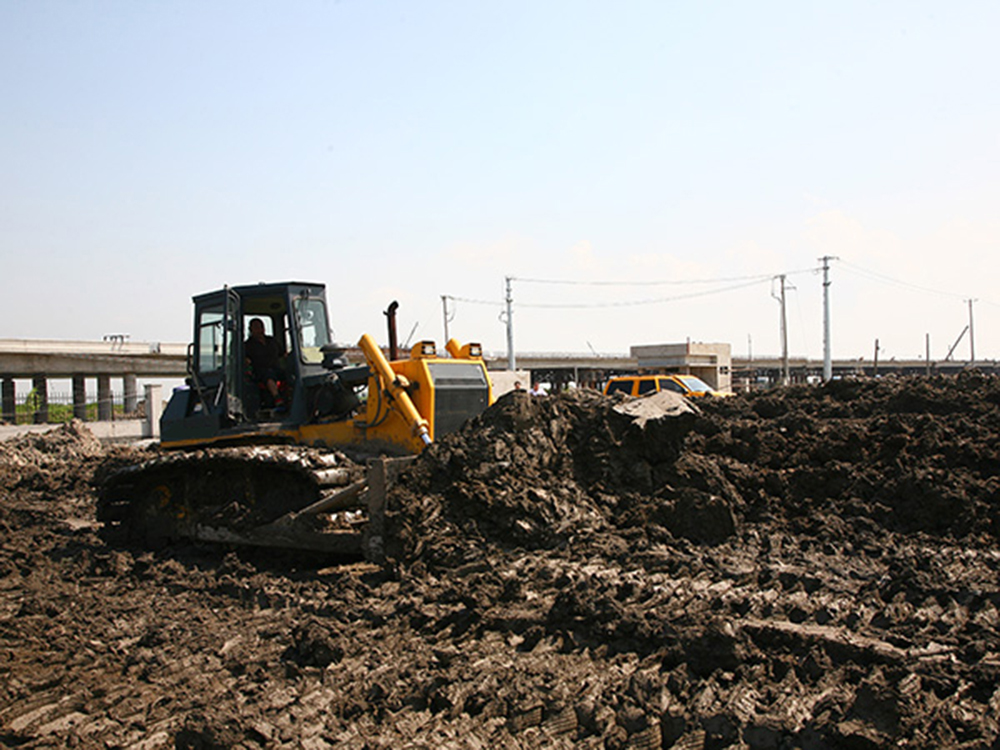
255	441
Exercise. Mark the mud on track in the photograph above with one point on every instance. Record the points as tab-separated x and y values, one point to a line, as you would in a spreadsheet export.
814	568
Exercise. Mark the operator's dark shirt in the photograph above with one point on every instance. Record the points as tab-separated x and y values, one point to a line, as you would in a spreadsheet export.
263	356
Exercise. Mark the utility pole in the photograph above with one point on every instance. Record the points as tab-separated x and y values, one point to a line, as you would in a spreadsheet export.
875	361
972	338
447	318
827	359
785	376
444	305
511	363
927	350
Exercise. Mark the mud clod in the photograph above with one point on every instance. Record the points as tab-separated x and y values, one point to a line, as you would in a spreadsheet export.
808	568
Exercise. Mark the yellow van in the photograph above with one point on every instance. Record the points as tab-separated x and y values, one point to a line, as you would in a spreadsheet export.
643	385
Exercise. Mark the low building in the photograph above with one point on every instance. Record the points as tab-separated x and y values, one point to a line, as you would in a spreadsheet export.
710	362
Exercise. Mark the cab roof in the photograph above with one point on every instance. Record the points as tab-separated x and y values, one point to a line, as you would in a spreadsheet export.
275	287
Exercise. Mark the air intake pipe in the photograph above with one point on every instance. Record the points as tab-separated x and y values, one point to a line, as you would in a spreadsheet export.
390	314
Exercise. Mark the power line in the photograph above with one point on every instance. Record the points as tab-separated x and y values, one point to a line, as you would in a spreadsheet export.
472	301
673	282
876	276
884	278
635	303
748	281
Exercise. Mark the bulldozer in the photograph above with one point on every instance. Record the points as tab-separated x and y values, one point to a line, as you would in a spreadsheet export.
261	458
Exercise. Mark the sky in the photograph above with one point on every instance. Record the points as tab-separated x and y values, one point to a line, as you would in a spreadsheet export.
641	172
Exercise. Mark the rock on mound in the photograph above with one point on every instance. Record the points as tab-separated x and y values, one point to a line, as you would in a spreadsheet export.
544	472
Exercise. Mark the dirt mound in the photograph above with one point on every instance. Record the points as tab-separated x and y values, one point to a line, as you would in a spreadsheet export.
915	455
50	473
811	568
38	453
542	473
909	455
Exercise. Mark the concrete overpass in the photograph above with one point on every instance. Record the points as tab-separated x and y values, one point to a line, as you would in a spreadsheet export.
41	360
25	358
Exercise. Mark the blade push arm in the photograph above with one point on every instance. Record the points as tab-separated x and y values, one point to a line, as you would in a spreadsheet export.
394	388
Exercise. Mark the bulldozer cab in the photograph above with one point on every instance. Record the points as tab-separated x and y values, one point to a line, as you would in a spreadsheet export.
224	390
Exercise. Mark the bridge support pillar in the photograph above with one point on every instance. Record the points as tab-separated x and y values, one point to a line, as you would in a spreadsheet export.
131	397
9	411
105	407
80	397
40	386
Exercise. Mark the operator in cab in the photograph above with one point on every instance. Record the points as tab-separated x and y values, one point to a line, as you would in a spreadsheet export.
262	354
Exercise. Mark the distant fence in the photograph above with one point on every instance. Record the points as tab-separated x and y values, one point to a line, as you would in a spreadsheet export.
58	408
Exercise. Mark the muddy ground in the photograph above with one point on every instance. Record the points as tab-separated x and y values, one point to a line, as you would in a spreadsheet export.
814	568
